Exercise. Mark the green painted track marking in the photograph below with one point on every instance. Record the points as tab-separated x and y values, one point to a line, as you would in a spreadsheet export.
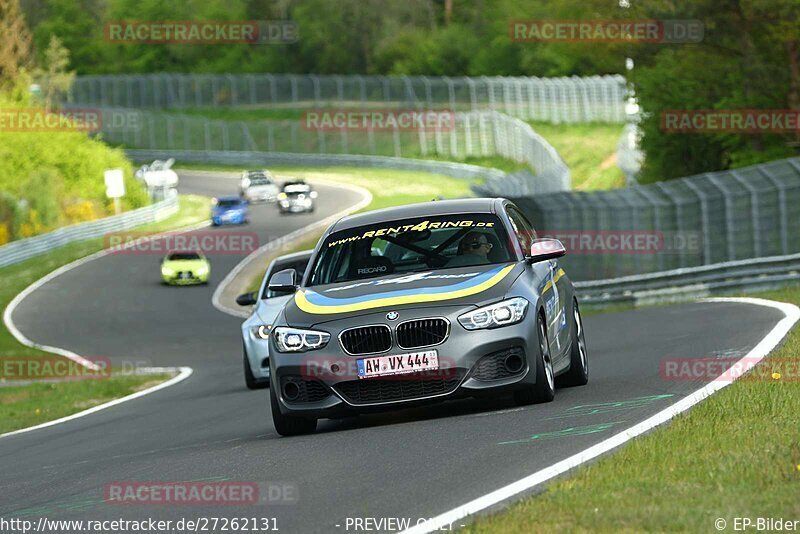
566	432
605	407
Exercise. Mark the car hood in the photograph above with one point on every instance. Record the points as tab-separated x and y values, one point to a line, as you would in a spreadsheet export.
465	286
220	210
188	265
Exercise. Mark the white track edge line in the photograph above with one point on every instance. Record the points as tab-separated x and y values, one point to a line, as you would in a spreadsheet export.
759	352
183	374
12	306
216	298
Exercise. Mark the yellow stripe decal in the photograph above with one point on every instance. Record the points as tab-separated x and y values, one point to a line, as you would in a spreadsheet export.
309	307
549	283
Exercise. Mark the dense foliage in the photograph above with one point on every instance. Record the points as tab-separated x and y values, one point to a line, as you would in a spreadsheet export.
748	57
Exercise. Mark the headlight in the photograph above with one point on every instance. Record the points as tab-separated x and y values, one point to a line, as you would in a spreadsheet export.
167	271
261	331
297	340
202	271
503	313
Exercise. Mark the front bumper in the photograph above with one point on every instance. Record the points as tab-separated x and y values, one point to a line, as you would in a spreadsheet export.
176	281
219	220
260	197
474	361
295	207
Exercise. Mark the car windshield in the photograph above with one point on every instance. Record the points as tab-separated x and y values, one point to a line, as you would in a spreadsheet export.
411	245
260	180
183	256
296	189
228	203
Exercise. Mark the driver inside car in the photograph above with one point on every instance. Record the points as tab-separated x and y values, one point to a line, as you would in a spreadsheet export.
473	249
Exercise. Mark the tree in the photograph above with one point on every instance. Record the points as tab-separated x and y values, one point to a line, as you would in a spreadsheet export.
15	43
56	80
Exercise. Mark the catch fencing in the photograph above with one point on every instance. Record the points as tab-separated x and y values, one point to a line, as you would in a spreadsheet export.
480	134
27	248
711	218
567	99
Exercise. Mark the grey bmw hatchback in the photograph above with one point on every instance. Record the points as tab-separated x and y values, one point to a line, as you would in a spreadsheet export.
419	304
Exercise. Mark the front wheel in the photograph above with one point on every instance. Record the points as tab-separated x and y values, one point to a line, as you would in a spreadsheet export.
288	425
578	374
544	390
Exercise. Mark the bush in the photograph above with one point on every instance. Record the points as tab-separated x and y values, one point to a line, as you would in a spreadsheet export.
58	179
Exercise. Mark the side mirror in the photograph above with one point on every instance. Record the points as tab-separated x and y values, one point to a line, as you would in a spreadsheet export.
246	299
546	249
283	281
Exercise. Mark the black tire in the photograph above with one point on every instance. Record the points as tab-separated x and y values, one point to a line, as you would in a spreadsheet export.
249	380
578	374
545	389
287	425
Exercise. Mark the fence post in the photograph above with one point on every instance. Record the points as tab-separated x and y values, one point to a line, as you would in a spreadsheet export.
704	218
730	221
753	212
644	193
783	214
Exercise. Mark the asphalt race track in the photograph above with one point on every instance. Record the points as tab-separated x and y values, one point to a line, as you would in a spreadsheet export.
410	464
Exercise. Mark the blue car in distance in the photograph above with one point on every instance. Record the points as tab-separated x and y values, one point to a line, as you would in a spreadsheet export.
229	210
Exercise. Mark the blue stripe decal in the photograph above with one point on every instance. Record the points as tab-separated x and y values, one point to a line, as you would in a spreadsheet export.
322	300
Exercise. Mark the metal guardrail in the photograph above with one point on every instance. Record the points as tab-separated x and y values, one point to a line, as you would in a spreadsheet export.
27	248
251	158
571	100
479	134
677	284
710	218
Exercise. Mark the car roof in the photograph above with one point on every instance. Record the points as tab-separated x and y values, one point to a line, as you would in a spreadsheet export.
230	197
422	209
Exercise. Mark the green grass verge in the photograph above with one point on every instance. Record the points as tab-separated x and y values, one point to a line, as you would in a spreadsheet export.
736	454
589	150
22	406
34	404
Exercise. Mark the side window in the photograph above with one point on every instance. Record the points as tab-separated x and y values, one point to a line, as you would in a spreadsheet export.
522	228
